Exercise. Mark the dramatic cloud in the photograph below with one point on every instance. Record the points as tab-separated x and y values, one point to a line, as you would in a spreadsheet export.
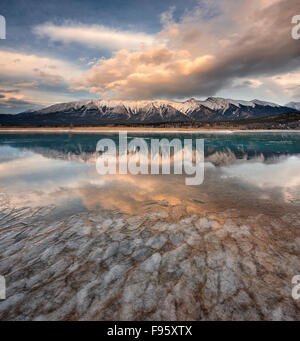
229	48
152	73
210	48
95	36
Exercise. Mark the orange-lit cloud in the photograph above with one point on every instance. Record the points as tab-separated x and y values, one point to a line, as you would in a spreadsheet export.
150	73
30	66
203	54
216	46
27	72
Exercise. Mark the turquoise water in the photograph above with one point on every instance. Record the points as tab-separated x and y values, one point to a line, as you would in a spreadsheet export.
252	143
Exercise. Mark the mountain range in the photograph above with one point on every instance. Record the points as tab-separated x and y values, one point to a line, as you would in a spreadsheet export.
97	112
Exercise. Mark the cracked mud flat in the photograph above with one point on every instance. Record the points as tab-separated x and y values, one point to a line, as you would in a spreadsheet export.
151	266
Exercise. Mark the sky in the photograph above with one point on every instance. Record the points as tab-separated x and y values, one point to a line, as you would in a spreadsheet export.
71	50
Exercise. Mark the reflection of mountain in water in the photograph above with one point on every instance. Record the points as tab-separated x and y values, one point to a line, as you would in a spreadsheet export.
219	149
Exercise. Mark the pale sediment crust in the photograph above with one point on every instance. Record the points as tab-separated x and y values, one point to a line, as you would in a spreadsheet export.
152	266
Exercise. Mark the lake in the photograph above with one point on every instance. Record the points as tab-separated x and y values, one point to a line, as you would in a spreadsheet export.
75	244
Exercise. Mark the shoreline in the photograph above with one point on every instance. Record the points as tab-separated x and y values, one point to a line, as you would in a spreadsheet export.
141	130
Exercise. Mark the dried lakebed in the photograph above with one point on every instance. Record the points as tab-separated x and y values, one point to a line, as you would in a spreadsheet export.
149	266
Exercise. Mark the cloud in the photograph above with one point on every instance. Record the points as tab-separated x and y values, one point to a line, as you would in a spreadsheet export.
288	83
29	66
12	102
248	83
282	175
16	102
12	98
209	49
151	73
288	79
33	84
224	47
40	81
95	36
9	91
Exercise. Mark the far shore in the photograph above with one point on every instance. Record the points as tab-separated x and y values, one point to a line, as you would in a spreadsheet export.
108	129
104	128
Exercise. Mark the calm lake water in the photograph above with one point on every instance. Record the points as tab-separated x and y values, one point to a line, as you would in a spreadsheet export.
245	171
148	246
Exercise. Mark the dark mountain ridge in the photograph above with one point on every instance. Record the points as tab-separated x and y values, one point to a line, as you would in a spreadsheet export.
105	112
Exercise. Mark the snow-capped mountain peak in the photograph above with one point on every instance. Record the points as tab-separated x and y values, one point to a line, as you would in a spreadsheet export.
263	103
218	103
150	111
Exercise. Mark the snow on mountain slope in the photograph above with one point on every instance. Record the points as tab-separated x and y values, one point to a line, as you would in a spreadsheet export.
149	111
214	103
217	103
266	104
294	105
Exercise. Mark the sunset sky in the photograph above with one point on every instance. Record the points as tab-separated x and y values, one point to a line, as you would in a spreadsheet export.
71	50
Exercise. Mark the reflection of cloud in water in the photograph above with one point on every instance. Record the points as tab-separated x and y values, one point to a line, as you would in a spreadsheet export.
129	193
284	175
243	184
33	179
8	154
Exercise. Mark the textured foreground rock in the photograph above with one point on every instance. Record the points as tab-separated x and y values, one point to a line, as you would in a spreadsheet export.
149	267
